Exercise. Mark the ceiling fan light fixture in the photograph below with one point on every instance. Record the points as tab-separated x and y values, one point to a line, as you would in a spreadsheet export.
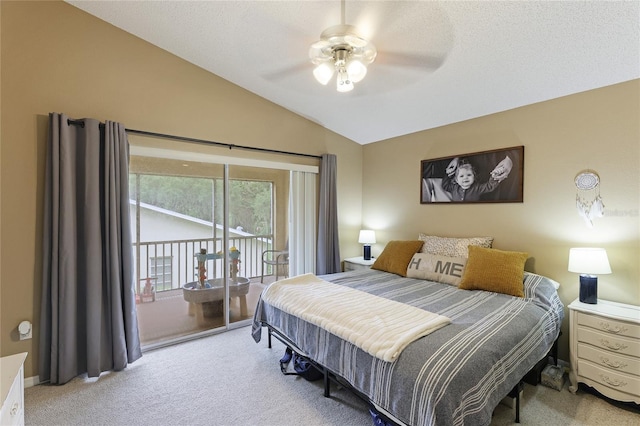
343	83
343	48
320	44
356	70
324	72
355	40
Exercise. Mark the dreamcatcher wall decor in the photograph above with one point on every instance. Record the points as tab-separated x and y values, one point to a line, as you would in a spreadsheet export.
588	200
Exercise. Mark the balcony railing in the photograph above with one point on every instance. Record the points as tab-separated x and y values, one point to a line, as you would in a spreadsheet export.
173	263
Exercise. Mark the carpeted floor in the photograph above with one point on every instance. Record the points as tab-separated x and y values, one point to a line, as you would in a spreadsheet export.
228	379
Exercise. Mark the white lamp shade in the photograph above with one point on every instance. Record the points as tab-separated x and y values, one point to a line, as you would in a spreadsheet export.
356	70
367	237
323	72
587	260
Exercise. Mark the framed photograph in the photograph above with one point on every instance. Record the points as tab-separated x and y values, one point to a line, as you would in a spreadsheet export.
480	177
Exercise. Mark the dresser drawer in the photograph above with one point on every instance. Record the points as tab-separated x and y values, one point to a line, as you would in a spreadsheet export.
609	326
615	344
12	409
620	382
12	389
610	360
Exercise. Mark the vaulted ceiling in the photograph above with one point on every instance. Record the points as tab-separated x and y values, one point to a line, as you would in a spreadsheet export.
439	62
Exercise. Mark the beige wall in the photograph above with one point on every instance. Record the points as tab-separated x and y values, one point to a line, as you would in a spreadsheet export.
597	130
56	58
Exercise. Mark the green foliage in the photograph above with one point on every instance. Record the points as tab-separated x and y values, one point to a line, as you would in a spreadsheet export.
250	206
249	201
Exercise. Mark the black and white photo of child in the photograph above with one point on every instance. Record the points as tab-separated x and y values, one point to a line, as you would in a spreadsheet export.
483	177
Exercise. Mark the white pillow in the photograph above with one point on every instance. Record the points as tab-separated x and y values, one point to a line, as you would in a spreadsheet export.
433	267
452	247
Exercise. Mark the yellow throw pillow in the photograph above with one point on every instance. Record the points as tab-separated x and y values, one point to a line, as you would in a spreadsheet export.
396	256
494	270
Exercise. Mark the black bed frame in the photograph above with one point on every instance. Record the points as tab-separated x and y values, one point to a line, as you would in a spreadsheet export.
330	376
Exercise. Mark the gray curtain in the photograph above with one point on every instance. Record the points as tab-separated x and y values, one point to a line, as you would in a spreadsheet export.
88	313
328	243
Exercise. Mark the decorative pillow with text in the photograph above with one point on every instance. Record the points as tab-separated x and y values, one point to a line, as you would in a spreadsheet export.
433	267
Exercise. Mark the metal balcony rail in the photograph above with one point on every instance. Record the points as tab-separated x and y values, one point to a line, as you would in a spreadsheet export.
171	264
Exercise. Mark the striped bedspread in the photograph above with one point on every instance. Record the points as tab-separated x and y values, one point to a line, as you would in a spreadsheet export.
379	326
454	376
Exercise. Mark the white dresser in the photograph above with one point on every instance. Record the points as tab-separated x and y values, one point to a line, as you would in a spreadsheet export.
604	347
12	389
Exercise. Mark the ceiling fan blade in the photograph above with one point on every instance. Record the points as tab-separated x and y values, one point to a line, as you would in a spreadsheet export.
375	19
410	60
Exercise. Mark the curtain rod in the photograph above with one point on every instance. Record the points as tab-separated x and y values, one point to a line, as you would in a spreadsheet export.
202	141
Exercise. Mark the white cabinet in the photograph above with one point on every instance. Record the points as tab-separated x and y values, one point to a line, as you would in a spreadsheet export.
12	389
604	347
355	263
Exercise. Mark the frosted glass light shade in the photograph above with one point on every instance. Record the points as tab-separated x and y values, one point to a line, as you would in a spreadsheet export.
356	70
367	237
591	261
323	72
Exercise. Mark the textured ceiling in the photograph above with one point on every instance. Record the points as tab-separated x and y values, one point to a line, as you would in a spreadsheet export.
439	62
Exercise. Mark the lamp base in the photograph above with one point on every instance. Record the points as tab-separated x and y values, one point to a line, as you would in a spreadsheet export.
367	252
589	289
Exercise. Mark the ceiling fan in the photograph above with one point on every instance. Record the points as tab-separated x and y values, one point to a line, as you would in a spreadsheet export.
341	49
343	53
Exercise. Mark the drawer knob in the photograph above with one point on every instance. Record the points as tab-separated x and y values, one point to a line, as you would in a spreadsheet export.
612	364
14	408
615	329
614	382
613	346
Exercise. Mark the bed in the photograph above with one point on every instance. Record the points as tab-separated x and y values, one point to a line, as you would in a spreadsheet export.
456	374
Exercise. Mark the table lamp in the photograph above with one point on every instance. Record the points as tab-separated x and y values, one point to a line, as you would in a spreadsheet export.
589	262
367	238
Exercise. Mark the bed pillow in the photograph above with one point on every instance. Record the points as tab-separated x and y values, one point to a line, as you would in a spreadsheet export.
433	267
452	247
494	270
396	256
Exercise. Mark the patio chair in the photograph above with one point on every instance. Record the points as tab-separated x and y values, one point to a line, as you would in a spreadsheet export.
277	259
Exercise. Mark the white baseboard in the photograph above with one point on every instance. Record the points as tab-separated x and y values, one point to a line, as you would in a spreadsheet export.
31	381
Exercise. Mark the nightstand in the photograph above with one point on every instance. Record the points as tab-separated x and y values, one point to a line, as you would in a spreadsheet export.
604	347
355	263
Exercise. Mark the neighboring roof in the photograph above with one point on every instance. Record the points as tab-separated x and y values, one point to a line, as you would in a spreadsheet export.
188	218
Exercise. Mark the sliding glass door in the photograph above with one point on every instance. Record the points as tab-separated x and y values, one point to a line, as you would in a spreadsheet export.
201	232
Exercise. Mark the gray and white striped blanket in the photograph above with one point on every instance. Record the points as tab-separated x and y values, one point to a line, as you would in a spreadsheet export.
455	375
